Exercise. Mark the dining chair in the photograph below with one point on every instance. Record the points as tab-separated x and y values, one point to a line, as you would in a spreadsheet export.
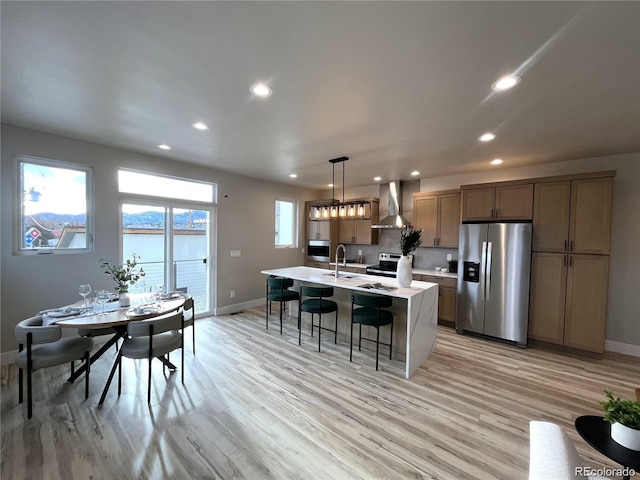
278	291
152	338
45	348
189	319
316	302
371	312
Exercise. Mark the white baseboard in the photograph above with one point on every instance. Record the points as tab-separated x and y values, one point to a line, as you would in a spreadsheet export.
228	309
624	348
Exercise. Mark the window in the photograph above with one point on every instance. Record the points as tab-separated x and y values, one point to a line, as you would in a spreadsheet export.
54	199
285	223
166	187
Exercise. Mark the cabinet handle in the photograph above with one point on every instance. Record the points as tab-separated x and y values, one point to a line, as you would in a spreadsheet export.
565	246
434	242
571	246
571	260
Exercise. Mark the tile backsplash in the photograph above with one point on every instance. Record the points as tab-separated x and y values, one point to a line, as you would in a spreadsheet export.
389	242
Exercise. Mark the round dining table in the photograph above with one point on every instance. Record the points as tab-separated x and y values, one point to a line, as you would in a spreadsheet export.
118	319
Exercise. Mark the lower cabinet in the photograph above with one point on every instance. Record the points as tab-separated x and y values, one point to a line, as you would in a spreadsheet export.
568	301
446	297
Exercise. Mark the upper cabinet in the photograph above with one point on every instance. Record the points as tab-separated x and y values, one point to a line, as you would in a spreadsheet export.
573	216
501	202
319	229
438	215
358	231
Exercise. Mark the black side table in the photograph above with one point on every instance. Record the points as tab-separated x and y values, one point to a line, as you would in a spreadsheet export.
596	431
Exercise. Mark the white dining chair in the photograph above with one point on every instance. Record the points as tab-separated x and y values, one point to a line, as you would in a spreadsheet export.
152	338
45	348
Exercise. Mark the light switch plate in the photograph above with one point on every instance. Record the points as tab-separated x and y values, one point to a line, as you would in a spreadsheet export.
236	253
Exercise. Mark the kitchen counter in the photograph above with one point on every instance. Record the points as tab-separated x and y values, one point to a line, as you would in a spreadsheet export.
435	273
416	313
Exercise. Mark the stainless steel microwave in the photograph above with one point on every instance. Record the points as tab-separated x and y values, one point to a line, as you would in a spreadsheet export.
319	250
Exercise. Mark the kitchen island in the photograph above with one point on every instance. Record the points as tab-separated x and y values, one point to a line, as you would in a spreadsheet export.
416	313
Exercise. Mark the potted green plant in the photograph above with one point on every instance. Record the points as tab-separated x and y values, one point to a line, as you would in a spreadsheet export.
624	416
124	275
410	239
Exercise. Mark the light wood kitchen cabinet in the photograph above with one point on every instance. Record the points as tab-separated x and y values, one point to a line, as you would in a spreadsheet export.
570	263
494	203
357	231
568	302
319	230
446	298
438	215
573	216
586	311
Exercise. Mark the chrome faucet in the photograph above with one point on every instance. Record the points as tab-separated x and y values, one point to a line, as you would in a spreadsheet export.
344	257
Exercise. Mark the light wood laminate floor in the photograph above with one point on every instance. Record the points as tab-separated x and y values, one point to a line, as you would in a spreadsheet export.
255	405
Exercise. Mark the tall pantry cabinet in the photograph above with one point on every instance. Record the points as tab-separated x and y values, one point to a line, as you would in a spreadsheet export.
570	260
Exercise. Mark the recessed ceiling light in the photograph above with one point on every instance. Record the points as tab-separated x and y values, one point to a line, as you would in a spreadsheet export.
293	175
505	83
164	147
496	161
377	179
487	137
415	172
261	90
200	126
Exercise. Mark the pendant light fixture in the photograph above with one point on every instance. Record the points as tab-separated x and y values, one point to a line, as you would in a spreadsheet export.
357	209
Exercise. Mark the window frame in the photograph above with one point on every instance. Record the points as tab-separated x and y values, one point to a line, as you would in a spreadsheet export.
18	210
294	220
164	196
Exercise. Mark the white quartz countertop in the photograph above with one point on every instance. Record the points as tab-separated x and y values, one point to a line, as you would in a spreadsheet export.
435	273
352	281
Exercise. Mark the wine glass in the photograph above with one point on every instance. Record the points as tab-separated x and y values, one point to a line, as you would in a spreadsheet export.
102	297
85	289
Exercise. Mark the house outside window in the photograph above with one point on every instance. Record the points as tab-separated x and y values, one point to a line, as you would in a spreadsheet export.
285	223
55	214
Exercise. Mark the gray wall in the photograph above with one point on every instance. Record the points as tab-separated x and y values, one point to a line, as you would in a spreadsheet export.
245	221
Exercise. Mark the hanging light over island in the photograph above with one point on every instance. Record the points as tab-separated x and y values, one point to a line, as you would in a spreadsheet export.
334	209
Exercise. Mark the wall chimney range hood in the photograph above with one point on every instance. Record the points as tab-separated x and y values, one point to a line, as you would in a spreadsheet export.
395	218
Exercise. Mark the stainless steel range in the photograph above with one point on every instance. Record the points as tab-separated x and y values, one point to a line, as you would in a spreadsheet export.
387	265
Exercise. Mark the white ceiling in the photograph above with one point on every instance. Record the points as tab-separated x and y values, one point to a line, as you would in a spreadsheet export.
395	86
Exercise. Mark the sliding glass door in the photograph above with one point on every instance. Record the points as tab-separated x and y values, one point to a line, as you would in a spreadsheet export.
174	247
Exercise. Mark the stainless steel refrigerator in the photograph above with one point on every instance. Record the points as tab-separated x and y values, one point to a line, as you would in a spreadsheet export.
494	267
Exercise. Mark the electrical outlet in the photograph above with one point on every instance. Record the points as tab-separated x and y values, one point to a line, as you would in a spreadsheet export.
236	253
232	294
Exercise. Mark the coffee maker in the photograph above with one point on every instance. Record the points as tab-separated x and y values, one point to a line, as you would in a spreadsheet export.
453	266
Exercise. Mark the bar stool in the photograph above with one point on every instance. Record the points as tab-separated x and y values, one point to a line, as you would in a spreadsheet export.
370	312
316	303
278	291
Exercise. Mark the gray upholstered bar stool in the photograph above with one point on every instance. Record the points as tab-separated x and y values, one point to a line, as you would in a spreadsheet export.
371	312
316	302
278	291
45	348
